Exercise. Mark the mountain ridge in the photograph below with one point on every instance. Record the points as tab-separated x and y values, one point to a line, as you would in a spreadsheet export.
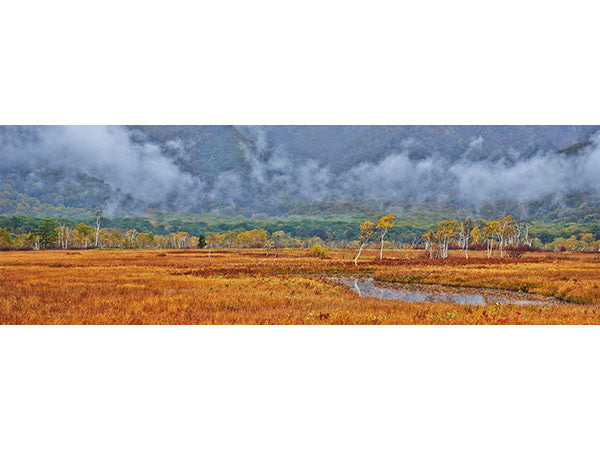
274	169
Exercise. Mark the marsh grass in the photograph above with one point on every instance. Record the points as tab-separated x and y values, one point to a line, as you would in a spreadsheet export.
184	287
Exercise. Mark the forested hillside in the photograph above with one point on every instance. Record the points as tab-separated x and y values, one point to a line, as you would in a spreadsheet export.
455	142
203	151
531	171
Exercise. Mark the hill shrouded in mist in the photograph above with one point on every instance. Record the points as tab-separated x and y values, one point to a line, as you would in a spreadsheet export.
281	169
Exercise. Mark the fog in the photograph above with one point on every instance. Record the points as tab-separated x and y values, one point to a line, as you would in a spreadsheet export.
434	179
131	165
104	152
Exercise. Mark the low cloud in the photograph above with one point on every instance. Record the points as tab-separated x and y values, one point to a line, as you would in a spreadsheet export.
272	176
106	152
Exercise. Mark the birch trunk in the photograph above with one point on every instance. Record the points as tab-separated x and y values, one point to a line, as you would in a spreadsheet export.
381	250
97	231
264	259
359	252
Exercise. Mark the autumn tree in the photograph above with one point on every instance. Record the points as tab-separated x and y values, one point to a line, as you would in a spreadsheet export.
64	234
385	224
179	239
182	239
145	240
519	232
588	240
160	241
314	240
25	241
489	232
229	239
104	238
280	239
130	237
83	234
116	239
465	234
476	235
444	236
428	239
5	240
98	215
502	231
528	240
366	232
252	239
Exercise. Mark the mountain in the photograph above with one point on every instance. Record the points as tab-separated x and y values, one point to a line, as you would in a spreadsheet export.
342	147
81	168
313	141
279	169
199	150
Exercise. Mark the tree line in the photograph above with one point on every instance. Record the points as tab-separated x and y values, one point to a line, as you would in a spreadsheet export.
503	235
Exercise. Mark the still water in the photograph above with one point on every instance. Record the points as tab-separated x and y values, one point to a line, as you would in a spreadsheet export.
367	287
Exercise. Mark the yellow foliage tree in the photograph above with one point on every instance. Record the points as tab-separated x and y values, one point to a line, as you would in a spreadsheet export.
366	232
385	224
428	239
131	236
444	236
489	231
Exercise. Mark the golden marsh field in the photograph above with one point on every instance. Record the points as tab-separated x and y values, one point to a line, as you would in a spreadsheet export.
242	287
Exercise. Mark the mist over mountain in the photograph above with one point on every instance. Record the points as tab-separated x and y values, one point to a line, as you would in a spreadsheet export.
282	169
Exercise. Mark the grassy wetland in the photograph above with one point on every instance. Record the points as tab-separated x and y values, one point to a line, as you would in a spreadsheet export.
242	287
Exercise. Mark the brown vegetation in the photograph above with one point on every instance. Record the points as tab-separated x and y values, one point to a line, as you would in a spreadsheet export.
184	287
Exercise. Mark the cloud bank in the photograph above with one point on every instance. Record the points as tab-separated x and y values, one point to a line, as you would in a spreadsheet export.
105	152
272	176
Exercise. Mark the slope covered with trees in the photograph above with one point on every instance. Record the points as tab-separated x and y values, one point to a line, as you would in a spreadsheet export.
476	142
298	170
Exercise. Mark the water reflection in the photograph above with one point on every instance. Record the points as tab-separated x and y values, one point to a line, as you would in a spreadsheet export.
435	293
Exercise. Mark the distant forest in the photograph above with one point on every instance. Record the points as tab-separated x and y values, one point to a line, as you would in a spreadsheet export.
408	229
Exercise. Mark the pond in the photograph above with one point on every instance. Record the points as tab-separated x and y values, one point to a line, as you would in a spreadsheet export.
367	287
